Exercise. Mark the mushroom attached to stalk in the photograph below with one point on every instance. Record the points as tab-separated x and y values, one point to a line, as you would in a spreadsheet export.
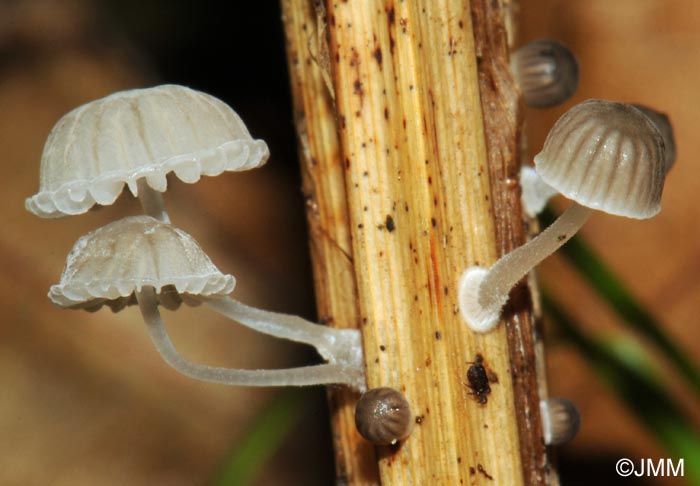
602	155
536	193
137	137
546	72
560	420
142	260
383	416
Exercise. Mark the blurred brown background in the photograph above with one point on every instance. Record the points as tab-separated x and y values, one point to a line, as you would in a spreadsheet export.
86	400
643	51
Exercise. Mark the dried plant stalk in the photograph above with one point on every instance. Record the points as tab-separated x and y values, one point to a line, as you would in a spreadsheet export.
502	125
327	215
406	177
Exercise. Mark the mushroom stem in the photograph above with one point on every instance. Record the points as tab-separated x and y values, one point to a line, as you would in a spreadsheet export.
151	201
342	346
306	375
483	292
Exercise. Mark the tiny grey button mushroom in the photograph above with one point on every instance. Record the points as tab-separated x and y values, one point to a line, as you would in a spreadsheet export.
603	156
383	416
560	420
546	72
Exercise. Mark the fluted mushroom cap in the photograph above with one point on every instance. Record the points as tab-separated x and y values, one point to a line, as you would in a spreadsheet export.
546	72
142	133
663	123
107	265
607	156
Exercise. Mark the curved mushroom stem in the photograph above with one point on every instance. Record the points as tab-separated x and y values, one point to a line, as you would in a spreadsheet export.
307	375
151	201
341	346
483	292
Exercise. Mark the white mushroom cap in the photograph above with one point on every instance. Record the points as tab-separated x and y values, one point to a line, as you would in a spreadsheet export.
606	156
142	133
107	265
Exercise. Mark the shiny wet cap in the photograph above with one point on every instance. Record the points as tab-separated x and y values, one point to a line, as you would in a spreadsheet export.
607	156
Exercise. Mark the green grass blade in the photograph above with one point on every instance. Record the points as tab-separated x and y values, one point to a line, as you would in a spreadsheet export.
614	292
264	437
643	395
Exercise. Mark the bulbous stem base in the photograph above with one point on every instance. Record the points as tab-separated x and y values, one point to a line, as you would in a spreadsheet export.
482	292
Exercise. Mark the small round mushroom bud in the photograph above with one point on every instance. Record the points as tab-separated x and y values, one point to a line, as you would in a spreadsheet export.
560	420
141	260
663	123
546	72
383	416
603	156
137	137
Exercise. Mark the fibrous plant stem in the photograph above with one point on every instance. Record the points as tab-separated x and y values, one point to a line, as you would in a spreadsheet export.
404	177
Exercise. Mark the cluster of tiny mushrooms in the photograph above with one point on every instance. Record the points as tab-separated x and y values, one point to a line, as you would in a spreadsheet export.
603	155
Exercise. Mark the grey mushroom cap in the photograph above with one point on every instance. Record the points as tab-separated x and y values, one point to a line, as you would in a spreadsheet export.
663	123
106	267
97	148
607	156
546	72
561	420
383	416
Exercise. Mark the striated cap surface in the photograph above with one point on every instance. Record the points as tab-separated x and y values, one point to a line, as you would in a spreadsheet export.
142	133
546	72
607	156
663	123
107	265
